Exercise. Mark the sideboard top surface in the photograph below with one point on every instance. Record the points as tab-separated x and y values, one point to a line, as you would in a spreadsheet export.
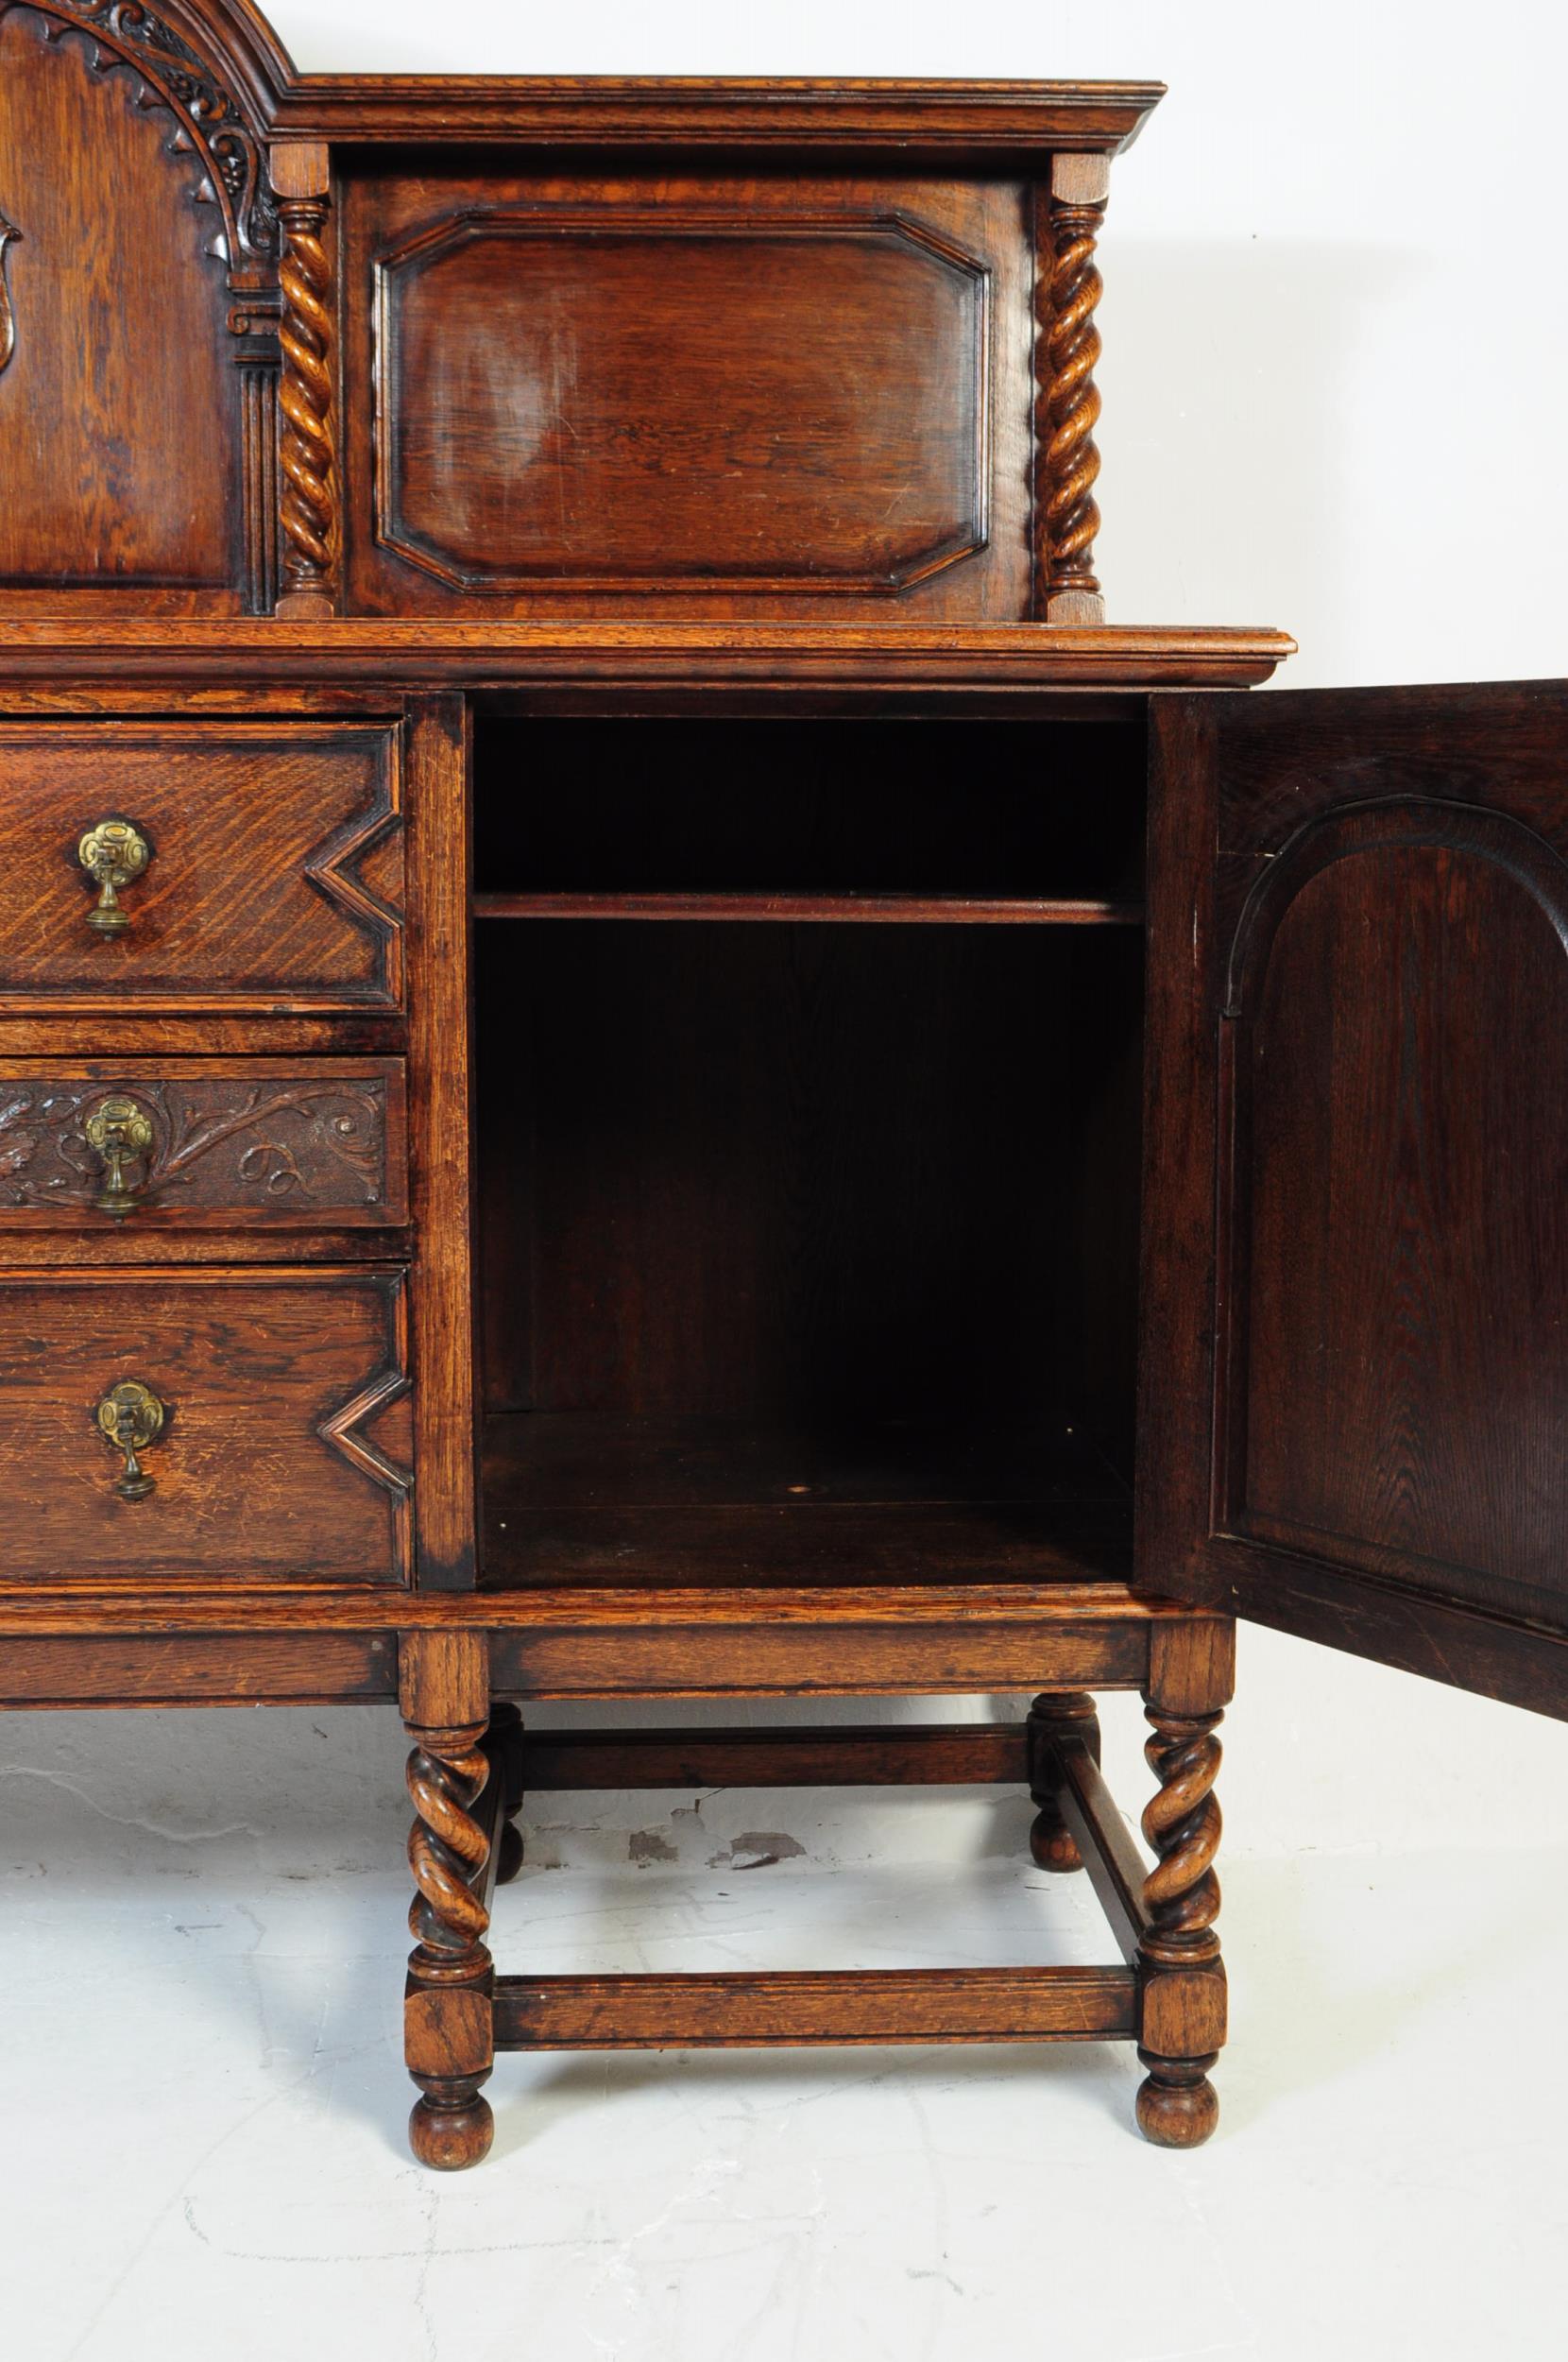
416	654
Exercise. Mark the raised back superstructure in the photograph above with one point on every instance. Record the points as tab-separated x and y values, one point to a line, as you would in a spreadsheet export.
512	348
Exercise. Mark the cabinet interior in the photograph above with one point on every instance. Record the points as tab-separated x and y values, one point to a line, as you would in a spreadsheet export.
809	1064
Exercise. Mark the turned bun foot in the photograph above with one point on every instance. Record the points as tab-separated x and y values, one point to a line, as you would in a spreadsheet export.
1068	1715
1177	2106
1050	1841
446	2136
508	1854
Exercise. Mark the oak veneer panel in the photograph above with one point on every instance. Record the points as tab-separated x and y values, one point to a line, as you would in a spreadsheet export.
960	120
119	404
210	1607
793	1173
1401	1138
532	430
275	881
844	2007
582	1500
702	393
903	1544
1354	1424
285	1442
199	1670
266	1143
737	1651
921	1754
441	1088
205	659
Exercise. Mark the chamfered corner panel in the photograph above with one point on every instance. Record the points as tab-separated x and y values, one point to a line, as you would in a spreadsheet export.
269	1413
684	392
266	869
1394	1352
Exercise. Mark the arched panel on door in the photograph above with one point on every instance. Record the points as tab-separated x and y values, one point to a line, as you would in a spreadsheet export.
1392	1378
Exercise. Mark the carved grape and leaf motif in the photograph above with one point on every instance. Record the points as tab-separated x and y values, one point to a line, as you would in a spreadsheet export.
311	1145
209	127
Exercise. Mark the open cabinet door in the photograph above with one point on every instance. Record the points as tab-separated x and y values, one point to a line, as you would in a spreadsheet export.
1354	1354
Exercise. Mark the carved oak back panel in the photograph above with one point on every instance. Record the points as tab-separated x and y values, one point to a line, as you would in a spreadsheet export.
136	392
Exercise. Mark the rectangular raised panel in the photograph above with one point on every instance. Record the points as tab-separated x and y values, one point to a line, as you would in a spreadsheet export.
275	872
690	390
617	399
284	1448
257	1143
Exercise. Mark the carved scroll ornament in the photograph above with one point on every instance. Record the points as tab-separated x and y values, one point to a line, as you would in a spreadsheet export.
305	1145
209	127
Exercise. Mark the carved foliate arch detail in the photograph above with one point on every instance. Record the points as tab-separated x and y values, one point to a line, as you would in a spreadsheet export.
212	72
177	70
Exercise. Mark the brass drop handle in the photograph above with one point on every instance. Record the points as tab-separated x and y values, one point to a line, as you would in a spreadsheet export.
114	853
131	1417
118	1134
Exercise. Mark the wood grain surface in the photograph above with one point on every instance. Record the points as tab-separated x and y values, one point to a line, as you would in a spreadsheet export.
263	1143
284	1447
119	406
275	881
1367	1068
427	652
841	2006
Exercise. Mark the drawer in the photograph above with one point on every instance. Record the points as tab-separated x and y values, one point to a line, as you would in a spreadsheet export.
203	1143
283	1430
200	864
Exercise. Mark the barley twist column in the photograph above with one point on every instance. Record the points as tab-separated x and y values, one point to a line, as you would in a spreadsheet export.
1183	1999
450	1979
1068	401
456	1779
307	453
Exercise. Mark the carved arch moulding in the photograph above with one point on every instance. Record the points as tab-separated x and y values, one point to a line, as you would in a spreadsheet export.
213	69
197	79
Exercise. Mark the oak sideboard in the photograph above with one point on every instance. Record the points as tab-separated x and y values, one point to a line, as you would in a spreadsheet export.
639	1058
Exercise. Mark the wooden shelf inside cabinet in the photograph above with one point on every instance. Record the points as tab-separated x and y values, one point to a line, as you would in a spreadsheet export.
587	1498
829	909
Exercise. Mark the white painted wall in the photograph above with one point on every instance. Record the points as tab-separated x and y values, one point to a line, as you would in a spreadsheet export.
1336	325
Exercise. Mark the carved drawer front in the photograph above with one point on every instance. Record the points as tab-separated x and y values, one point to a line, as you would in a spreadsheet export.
202	1143
224	864
217	1426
